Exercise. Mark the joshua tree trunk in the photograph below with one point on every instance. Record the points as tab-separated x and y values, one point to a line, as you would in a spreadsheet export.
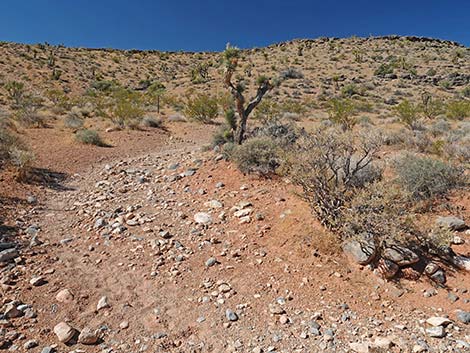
244	112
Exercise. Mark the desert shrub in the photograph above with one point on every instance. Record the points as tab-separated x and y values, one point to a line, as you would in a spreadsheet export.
222	136
439	127
150	121
22	160
457	145
73	121
13	152
458	109
431	107
127	109
16	92
378	211
408	114
425	177
293	107
59	100
417	140
331	166
201	107
29	114
89	137
383	70
291	73
350	90
103	86
341	112
257	155
466	92
283	134
267	110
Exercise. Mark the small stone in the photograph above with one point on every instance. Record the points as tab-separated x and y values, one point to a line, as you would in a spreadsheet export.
230	315
359	347
463	316
123	325
48	350
31	199
400	255
64	332
87	336
30	344
211	262
202	218
11	311
102	303
452	297
37	281
213	204
438	321
64	296
436	332
276	309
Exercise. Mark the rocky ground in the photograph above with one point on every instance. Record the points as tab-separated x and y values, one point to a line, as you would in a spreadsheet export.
176	251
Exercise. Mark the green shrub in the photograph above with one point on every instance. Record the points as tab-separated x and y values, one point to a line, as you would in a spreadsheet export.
458	109
341	112
73	121
426	177
267	110
384	69
127	109
466	92
408	114
16	91
257	155
89	137
201	107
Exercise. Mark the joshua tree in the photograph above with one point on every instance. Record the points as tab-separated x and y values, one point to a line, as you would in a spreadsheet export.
231	56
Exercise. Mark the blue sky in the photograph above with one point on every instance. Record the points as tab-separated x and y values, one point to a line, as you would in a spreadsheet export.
195	25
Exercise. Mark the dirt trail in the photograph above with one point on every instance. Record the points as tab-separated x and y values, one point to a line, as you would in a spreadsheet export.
252	279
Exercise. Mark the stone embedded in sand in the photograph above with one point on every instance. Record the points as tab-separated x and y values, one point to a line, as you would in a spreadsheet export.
464	316
438	321
230	315
213	204
12	311
359	347
451	222
202	218
37	281
211	262
123	325
64	332
87	336
363	252
102	303
436	332
64	296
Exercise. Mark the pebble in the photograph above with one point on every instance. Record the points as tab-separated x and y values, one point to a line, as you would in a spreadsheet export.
230	315
436	332
211	262
64	296
87	336
64	332
102	303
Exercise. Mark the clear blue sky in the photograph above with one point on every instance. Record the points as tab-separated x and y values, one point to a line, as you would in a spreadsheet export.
209	24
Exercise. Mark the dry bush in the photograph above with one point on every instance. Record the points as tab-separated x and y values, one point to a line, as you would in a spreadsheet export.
89	137
331	166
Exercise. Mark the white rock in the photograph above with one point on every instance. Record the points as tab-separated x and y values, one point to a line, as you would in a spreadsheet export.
202	218
102	303
64	332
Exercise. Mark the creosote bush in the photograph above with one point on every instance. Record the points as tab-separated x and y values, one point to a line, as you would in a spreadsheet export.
408	114
89	137
201	108
341	112
425	177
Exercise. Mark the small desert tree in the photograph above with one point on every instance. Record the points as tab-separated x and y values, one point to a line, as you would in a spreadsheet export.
156	92
231	56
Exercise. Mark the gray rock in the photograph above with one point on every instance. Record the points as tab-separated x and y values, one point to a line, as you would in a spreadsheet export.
451	222
400	255
64	332
452	297
8	255
464	316
30	344
363	252
230	315
48	350
211	262
88	337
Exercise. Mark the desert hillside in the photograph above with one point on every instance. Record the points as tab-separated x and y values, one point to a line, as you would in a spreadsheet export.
137	214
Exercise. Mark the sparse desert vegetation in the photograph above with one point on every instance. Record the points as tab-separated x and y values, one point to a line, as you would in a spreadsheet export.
299	197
